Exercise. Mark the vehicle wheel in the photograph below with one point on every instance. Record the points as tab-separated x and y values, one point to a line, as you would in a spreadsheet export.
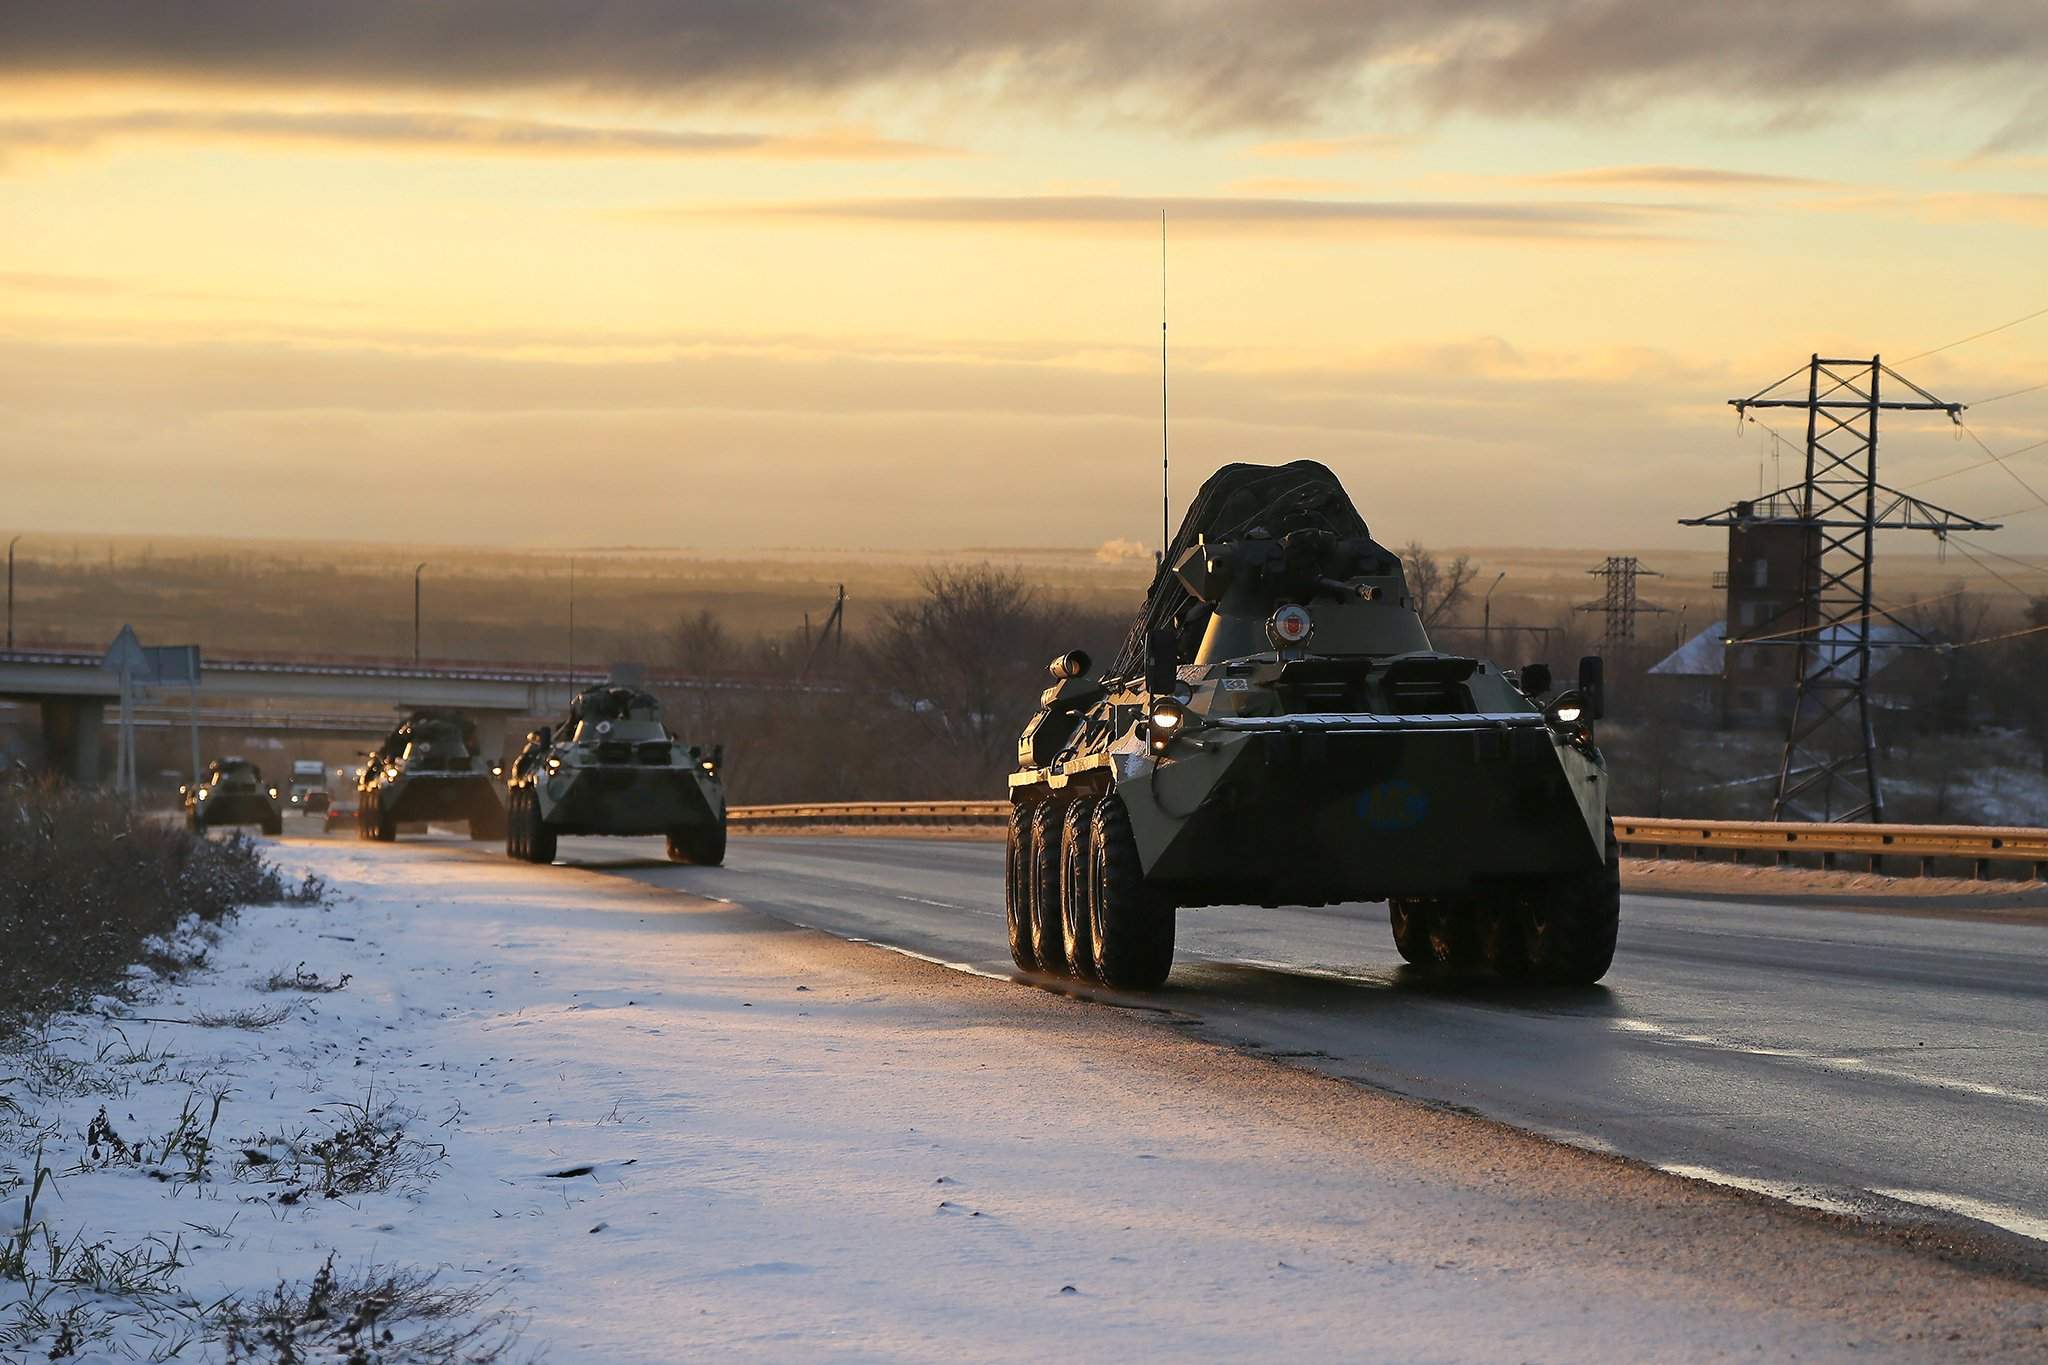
1048	936
1077	930
383	828
1502	943
1410	919
1017	887
1454	930
273	824
198	824
515	823
1569	928
540	839
699	844
1131	922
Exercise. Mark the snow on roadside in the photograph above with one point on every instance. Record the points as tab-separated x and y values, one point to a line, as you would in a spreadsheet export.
652	1127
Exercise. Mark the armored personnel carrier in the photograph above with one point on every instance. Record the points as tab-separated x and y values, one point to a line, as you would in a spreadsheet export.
232	793
1278	730
613	767
429	768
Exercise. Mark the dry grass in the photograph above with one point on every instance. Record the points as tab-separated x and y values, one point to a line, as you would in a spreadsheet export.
88	887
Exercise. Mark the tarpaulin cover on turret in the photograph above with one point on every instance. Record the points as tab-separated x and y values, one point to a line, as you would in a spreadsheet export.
1232	501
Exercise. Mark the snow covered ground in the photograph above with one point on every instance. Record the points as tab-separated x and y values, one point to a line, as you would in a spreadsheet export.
650	1127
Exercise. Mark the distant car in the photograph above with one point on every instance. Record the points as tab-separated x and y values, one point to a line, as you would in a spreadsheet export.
340	815
232	793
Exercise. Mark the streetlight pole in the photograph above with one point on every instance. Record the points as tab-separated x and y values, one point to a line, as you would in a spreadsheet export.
10	589
416	611
1486	616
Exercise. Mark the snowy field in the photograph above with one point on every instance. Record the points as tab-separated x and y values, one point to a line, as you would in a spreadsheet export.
629	1125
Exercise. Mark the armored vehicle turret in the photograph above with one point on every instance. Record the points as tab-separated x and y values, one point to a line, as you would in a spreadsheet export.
1278	730
613	767
232	793
431	767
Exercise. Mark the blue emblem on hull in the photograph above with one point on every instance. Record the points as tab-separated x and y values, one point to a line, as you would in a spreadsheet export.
1393	806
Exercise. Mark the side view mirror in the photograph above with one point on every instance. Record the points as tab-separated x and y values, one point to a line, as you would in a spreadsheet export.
1593	685
1162	662
1535	679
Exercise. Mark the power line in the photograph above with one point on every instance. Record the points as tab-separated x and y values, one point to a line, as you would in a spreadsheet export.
2000	397
2039	312
1995	459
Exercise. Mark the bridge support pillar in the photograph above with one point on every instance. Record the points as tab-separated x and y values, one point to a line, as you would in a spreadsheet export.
71	737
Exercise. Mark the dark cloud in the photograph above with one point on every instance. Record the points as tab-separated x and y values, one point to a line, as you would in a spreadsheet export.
1213	62
1606	221
426	131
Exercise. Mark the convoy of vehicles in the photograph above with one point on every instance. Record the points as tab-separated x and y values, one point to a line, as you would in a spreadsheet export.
613	767
1278	730
232	793
430	767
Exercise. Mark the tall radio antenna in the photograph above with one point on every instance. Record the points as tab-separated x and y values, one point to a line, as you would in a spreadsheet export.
1165	494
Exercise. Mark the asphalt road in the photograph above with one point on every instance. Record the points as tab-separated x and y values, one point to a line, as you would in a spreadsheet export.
1870	1064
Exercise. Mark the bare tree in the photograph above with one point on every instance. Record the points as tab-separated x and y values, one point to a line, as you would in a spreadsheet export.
1438	589
701	644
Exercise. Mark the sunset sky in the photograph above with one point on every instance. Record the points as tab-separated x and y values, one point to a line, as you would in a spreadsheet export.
886	272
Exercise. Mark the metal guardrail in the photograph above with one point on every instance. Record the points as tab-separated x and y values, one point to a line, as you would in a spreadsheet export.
1913	849
1880	848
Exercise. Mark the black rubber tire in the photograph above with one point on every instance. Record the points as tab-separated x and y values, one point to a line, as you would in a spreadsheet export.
515	823
1017	887
1077	926
540	839
1048	933
703	845
1410	920
383	828
273	825
1455	934
1503	945
1132	922
1569	928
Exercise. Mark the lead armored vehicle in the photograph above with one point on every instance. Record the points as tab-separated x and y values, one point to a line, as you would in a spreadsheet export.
232	793
431	767
613	767
1278	730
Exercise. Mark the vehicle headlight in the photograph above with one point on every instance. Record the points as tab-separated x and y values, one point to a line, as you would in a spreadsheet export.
202	793
273	793
710	767
1167	717
1567	711
390	774
554	763
497	770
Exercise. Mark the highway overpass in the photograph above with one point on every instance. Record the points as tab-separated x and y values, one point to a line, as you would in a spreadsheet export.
77	695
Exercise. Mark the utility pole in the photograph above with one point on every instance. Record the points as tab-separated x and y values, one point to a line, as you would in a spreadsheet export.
10	589
416	611
1828	770
1619	603
1486	615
